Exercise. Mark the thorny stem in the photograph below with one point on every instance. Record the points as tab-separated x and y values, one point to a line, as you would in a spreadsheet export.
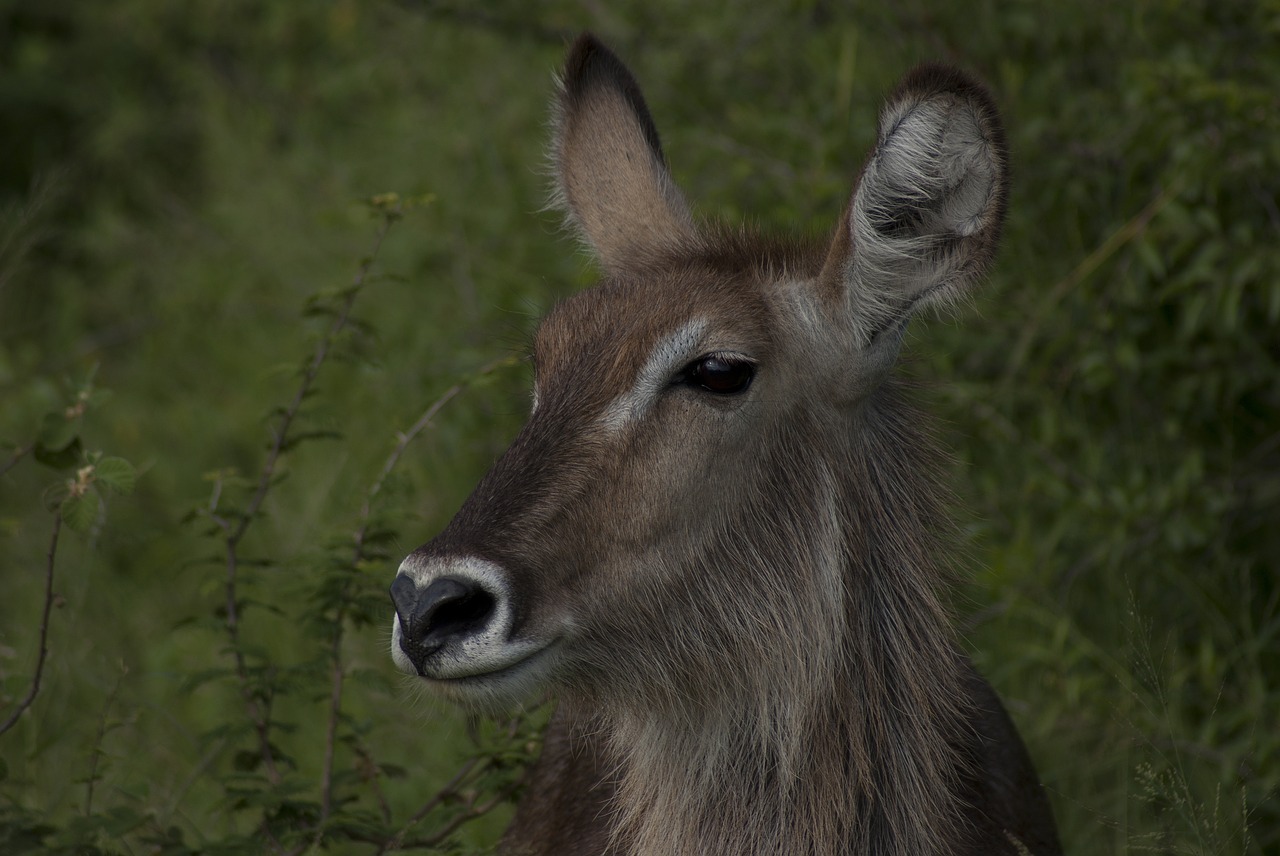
366	759
257	714
438	837
34	689
452	789
366	511
414	430
97	745
44	630
331	732
430	805
402	443
473	811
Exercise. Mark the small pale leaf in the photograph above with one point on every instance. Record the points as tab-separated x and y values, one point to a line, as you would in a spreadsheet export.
79	511
117	474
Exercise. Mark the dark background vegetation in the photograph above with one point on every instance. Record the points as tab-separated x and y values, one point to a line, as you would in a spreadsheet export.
182	186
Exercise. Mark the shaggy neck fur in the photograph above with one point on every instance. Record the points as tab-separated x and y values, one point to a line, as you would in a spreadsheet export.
836	732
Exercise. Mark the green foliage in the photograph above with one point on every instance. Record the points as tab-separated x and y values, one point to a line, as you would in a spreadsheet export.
264	785
182	181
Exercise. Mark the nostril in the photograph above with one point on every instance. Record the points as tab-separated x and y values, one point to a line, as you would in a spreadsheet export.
404	595
461	617
451	607
454	616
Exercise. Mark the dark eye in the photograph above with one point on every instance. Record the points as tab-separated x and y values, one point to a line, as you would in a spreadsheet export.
719	373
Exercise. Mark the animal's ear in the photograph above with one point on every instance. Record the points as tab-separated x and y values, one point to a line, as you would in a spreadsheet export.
925	216
611	177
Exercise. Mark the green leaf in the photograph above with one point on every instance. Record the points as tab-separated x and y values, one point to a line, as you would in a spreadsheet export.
57	430
79	511
116	473
121	820
59	458
245	761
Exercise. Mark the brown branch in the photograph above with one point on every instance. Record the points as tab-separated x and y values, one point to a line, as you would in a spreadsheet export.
450	789
257	715
17	456
335	654
366	512
473	811
366	759
34	689
99	740
331	731
402	444
404	439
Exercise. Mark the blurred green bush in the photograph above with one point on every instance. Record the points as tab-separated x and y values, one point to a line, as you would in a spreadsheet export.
176	180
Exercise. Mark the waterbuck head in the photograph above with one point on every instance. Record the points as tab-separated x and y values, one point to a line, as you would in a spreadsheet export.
718	507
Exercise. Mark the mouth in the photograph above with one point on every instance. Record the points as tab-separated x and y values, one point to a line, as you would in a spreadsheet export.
494	680
526	660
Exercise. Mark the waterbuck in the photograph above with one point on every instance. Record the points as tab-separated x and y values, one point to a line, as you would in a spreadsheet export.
716	540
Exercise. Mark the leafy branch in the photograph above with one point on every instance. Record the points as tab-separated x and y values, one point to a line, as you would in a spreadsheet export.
339	595
359	554
235	527
34	689
74	501
462	790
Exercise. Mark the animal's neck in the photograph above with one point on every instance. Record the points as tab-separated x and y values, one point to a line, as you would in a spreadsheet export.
870	770
852	752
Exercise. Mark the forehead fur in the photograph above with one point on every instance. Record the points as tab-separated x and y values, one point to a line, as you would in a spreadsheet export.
727	281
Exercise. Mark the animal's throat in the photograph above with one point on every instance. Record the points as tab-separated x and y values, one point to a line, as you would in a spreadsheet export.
753	781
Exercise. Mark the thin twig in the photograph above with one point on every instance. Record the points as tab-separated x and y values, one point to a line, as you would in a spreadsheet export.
394	458
100	739
331	732
257	715
34	689
366	758
470	814
366	513
449	790
335	653
414	430
17	456
452	789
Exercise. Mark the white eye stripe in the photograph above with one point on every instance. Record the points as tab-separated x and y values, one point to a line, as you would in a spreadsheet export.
668	356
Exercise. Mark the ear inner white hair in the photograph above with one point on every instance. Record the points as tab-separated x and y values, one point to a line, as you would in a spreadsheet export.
926	214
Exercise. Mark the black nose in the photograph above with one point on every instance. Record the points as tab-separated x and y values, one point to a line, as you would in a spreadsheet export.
449	608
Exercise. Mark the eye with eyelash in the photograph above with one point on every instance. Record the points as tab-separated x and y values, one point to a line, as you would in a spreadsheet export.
720	374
